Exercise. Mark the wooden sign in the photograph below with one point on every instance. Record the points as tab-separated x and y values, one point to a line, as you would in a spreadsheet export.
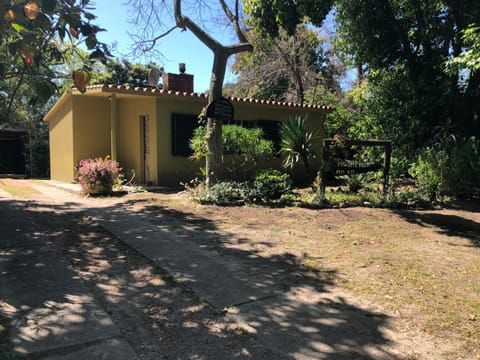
220	108
340	162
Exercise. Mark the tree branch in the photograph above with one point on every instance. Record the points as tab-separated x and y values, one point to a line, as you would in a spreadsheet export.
155	39
234	49
184	22
234	20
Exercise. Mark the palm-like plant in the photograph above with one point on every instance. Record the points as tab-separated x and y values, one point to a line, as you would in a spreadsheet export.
296	142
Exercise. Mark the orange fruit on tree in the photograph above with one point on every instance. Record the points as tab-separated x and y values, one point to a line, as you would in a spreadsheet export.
27	57
80	80
9	16
31	10
74	32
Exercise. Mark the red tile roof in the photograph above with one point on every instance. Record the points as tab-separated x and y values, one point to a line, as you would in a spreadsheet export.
139	90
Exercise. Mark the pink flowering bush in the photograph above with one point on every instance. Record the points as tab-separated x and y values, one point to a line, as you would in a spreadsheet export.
97	176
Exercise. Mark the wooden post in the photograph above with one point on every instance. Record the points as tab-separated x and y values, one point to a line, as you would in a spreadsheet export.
386	166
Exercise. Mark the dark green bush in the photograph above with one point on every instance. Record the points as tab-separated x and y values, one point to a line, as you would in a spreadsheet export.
242	149
40	158
463	171
271	184
225	192
454	170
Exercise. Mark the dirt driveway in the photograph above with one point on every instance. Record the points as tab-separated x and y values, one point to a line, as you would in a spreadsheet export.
412	273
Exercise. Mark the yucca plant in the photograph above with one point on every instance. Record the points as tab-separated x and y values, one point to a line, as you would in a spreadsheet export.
296	142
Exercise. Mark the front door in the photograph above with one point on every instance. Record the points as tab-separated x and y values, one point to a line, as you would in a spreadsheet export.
145	136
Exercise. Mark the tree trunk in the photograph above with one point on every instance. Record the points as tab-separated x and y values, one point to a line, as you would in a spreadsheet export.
221	53
214	126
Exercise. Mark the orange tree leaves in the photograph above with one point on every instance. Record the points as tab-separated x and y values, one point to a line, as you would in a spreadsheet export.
35	36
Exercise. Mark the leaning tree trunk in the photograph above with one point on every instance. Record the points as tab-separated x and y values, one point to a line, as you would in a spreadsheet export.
221	55
213	163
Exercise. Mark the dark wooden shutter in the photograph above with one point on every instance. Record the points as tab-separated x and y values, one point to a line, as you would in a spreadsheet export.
183	126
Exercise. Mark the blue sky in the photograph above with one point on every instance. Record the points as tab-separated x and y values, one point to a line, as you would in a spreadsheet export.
177	47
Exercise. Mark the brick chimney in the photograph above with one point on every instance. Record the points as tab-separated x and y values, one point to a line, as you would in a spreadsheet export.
178	82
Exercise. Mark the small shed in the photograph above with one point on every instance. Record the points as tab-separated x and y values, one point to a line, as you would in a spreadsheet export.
13	152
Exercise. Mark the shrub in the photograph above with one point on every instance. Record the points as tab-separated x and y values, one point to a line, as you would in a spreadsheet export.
463	170
97	176
427	171
225	192
454	170
355	182
271	184
243	149
297	142
40	157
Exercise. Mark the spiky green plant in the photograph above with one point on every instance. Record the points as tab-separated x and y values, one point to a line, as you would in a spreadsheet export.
296	142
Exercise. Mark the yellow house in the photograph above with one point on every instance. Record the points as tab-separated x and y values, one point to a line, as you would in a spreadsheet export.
147	129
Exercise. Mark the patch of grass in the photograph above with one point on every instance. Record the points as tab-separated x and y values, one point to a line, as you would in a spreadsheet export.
310	264
363	198
19	190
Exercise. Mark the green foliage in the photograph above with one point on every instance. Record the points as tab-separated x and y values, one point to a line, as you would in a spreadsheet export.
427	171
268	186
271	184
355	182
453	170
463	167
242	148
297	143
352	199
33	41
269	16
470	58
123	73
198	143
221	193
405	45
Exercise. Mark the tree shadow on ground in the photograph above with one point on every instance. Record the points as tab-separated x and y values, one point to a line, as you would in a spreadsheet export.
299	316
445	224
42	299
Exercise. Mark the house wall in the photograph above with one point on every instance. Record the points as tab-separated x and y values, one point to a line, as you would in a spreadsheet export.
130	137
315	124
61	144
175	169
91	126
80	128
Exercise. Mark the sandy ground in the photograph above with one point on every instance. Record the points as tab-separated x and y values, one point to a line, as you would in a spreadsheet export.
163	319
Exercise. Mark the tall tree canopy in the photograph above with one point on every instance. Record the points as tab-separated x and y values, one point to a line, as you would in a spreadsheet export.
123	72
409	42
404	47
273	16
286	68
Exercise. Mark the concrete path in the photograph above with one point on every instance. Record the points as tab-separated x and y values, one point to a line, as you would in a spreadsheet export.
54	315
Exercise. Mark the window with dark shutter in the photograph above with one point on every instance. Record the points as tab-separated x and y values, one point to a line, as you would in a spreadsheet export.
183	126
271	131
